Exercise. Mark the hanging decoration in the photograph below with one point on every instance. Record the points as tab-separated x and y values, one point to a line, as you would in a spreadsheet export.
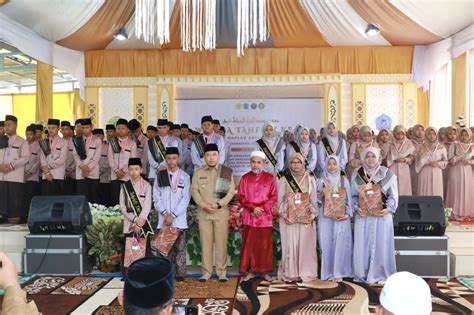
198	24
251	23
152	20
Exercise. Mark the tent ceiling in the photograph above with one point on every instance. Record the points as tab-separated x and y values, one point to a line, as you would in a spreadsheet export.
81	25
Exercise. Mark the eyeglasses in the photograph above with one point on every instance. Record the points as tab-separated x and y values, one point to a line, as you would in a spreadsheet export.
296	162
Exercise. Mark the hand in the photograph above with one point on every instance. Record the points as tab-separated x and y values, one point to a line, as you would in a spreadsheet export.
86	168
257	211
381	213
361	213
2	168
140	221
120	174
434	163
86	173
161	168
49	177
136	228
341	218
209	209
401	160
27	174
466	162
8	273
45	169
168	219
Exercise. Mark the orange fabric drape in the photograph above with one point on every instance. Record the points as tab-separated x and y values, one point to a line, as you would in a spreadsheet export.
257	61
395	26
423	111
459	75
291	26
44	91
99	31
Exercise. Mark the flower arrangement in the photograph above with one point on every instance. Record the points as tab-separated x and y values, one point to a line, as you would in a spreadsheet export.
105	234
235	218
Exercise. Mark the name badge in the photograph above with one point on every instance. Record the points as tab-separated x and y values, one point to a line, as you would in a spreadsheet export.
297	199
467	156
432	158
369	192
335	195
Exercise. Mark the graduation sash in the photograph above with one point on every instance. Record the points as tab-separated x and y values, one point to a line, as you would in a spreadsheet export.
366	181
45	147
268	153
3	142
297	149
294	186
115	145
224	177
134	205
199	143
157	149
80	146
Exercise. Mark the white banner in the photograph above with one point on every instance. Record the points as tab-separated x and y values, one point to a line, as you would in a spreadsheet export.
243	120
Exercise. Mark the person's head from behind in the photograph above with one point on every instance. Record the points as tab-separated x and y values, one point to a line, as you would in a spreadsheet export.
211	154
405	293
148	288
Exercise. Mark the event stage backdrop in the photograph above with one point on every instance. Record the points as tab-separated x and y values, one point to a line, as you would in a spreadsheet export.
243	119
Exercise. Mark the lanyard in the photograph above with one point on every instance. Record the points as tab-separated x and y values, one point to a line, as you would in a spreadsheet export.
400	148
431	153
373	175
174	188
461	145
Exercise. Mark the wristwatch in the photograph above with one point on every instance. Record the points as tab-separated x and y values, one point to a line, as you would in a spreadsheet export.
218	206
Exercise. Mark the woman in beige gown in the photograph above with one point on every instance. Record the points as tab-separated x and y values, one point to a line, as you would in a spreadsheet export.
450	136
383	140
417	136
399	159
431	159
366	141
354	133
460	192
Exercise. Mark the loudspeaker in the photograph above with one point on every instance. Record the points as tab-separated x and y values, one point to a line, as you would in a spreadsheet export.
419	216
59	215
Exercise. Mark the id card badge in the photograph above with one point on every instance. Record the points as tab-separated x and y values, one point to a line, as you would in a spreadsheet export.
369	192
432	158
335	195
297	199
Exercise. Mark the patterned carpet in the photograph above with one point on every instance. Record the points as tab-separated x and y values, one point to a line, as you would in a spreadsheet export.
98	295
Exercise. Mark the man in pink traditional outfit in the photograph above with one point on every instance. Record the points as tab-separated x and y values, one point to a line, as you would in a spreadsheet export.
257	194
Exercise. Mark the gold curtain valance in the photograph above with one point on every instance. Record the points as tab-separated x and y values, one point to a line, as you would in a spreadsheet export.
257	61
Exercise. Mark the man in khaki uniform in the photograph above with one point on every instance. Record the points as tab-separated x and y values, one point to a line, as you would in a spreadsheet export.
212	189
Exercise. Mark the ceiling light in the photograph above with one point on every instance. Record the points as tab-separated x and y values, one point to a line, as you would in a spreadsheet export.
372	30
121	35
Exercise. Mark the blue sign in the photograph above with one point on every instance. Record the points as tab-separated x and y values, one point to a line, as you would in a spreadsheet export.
383	121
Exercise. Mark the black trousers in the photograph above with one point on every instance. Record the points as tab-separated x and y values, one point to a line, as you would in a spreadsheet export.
104	194
115	191
53	188
12	196
70	186
32	189
89	188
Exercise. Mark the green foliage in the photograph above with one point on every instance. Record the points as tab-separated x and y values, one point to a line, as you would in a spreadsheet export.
105	237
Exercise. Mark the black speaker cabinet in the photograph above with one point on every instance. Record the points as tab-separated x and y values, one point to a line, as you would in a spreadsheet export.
419	216
59	215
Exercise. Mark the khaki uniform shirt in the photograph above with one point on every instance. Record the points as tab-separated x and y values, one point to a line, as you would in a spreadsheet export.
15	303
203	187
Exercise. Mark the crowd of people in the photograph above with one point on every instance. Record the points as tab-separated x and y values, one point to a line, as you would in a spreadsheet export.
315	185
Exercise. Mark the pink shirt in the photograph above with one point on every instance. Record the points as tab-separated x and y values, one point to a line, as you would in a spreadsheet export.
16	155
119	161
93	147
104	166
33	165
56	160
143	190
257	190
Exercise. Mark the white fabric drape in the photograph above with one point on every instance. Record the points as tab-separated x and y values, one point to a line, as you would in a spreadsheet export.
340	24
43	50
52	19
428	59
441	17
440	98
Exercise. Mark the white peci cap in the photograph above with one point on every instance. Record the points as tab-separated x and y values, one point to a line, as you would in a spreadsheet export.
406	293
259	154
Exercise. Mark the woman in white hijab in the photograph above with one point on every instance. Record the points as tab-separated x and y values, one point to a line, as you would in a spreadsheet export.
334	226
375	199
273	145
331	144
303	145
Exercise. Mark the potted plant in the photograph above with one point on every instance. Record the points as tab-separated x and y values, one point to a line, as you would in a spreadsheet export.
105	236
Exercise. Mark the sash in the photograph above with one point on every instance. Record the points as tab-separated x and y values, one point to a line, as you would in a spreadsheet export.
134	205
163	179
294	186
115	145
365	181
306	163
45	147
268	153
3	142
80	146
199	143
224	177
328	148
157	149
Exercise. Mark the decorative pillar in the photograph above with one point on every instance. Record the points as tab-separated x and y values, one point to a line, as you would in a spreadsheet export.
332	103
92	104
358	104
165	101
410	104
140	105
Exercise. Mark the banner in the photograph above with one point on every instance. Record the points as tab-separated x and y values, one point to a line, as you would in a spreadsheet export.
243	120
